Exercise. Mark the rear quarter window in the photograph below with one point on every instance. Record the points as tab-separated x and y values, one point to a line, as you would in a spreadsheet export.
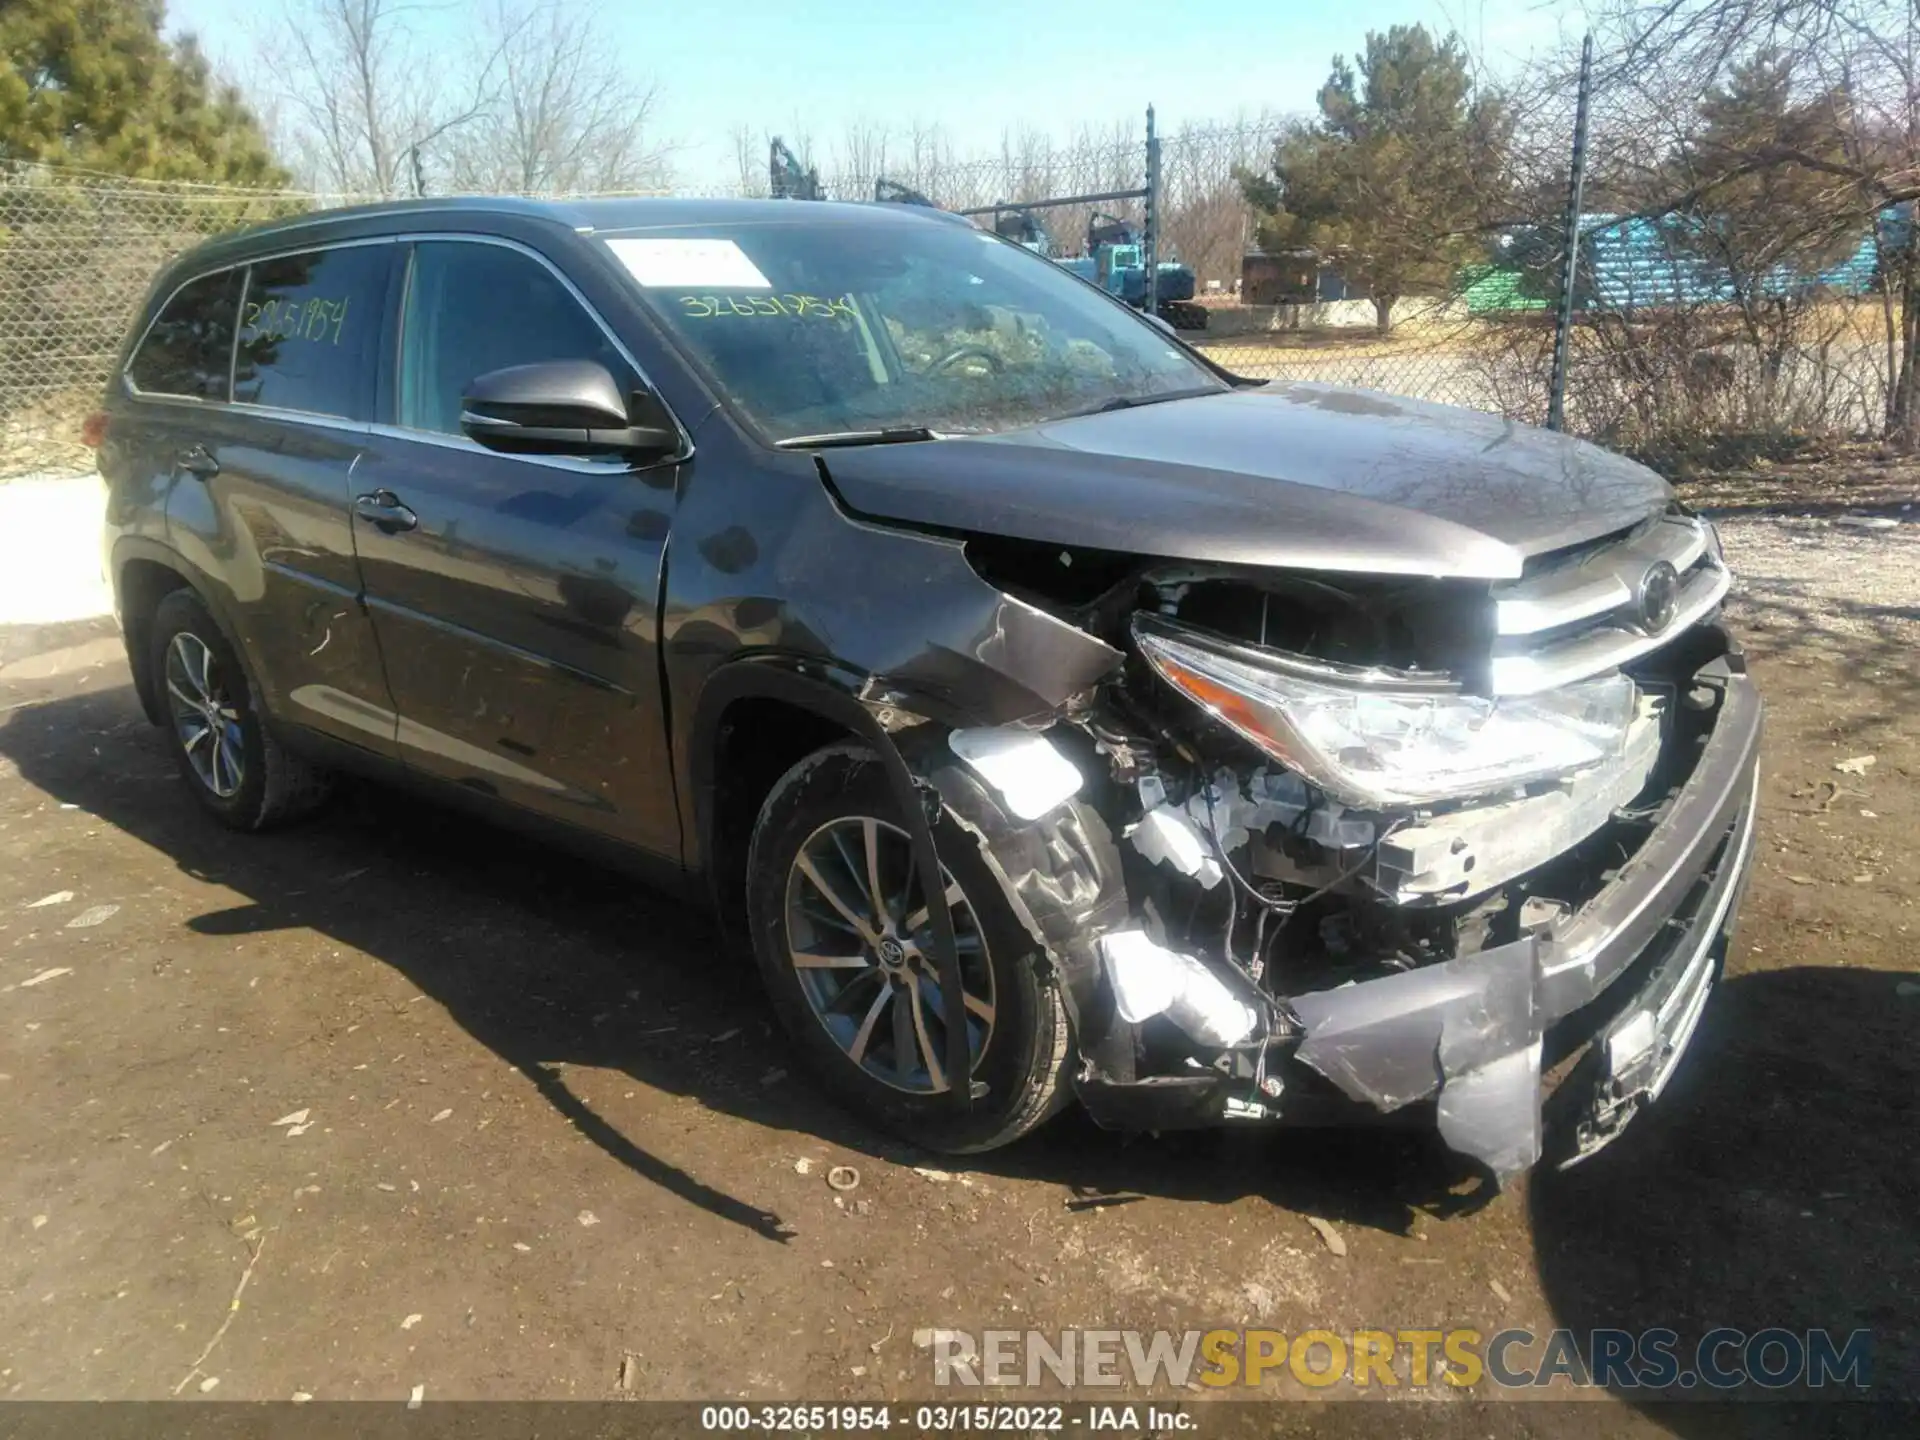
189	347
310	331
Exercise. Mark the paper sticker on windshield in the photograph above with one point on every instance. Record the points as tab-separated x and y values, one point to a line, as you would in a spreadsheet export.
684	264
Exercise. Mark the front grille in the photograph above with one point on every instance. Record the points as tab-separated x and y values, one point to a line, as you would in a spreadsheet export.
1599	607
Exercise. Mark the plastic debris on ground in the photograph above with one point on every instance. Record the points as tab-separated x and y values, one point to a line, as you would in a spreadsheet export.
1334	1241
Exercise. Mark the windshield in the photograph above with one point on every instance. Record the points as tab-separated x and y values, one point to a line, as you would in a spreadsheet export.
831	326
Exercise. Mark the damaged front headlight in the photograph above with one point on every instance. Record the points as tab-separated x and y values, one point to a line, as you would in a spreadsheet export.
1378	739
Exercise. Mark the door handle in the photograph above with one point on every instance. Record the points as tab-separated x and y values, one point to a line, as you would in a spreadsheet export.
383	510
197	461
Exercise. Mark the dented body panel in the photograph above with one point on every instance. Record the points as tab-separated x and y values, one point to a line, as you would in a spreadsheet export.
761	579
1287	475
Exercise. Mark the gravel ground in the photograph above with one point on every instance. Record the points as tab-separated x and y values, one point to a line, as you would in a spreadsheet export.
1837	578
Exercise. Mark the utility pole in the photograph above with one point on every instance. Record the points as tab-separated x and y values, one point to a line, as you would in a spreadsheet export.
1150	213
1570	262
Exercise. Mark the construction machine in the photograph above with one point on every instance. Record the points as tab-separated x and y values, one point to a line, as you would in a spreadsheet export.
787	179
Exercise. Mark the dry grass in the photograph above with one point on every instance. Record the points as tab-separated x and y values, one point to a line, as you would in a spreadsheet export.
42	436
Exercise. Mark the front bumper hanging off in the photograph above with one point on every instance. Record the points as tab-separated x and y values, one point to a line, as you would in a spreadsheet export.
1606	998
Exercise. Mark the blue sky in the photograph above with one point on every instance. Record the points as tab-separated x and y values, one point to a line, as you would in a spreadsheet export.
977	67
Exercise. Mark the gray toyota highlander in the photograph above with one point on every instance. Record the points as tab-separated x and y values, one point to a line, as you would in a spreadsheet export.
1054	714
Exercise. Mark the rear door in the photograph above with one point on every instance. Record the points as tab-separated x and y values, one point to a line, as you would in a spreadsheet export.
516	598
175	420
259	502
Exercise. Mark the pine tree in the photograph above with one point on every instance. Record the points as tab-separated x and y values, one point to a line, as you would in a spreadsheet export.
1771	209
1397	174
1759	163
95	84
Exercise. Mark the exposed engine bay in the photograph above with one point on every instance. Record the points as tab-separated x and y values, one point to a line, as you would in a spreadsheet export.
1311	790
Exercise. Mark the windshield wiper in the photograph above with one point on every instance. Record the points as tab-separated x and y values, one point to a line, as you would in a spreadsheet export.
1130	402
892	435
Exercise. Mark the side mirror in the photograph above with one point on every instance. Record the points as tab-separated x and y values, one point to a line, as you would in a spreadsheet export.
565	407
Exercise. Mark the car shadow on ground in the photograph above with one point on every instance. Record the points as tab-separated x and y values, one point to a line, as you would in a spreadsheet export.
552	962
1774	1186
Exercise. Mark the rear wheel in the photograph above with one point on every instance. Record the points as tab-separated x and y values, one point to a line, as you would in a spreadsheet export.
843	934
236	769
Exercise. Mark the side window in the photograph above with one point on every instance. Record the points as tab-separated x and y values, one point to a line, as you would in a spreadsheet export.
190	345
472	308
310	331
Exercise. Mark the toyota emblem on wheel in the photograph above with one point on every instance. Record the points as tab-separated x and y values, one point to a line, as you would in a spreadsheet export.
1659	592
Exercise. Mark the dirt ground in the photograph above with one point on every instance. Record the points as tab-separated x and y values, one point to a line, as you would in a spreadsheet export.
443	1109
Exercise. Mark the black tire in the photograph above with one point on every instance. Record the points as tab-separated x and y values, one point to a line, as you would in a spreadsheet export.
273	785
1023	1061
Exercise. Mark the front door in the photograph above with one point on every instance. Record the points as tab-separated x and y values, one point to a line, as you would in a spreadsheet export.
515	598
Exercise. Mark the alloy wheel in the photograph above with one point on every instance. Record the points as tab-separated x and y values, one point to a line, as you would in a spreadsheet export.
860	940
204	717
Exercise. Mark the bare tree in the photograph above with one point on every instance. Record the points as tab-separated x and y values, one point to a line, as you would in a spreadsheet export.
929	155
1842	158
750	152
364	121
566	115
539	103
1205	220
862	159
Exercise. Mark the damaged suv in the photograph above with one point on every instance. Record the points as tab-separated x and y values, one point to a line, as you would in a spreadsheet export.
1053	713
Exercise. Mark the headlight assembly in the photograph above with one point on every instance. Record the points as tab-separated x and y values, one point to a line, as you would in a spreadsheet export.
1377	739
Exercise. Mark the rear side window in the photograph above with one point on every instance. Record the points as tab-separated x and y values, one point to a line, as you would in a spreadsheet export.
473	308
190	345
310	331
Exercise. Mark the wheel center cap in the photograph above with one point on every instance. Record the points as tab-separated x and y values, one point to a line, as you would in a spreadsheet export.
892	953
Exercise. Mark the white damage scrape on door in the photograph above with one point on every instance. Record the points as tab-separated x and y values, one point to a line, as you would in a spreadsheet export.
50	561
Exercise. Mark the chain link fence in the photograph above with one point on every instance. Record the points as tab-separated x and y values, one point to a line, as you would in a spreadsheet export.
77	252
1276	318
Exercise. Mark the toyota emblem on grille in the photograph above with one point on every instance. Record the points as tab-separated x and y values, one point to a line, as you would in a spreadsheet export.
1658	594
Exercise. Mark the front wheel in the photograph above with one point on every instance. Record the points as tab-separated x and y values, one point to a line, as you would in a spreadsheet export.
843	935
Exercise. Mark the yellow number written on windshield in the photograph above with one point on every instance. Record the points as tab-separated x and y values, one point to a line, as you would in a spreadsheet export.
797	307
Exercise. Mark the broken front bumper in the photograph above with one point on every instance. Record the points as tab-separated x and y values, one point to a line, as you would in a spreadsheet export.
1622	979
1626	976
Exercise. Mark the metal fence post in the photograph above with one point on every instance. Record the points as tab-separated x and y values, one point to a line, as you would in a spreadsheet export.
1570	261
1150	221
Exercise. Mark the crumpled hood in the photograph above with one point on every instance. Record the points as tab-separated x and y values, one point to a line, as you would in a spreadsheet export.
1288	475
